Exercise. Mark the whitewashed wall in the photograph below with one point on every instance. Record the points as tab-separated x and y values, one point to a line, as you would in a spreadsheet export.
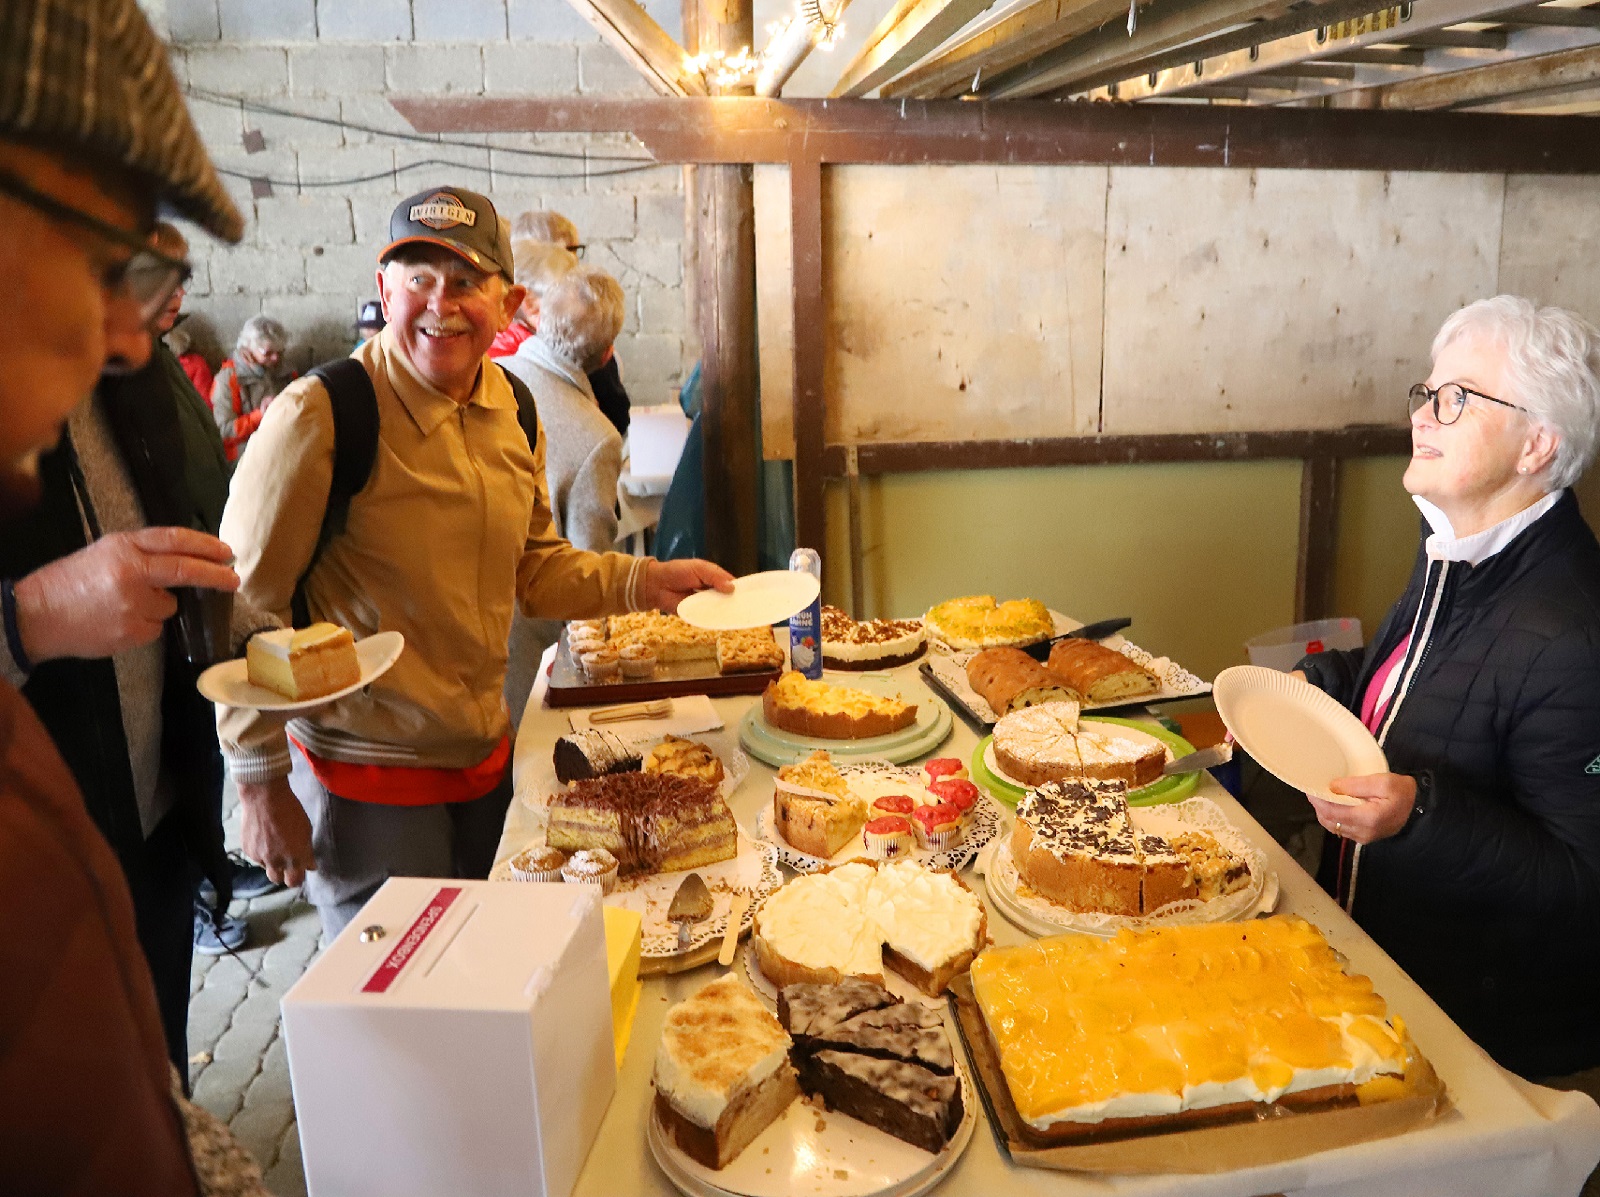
308	255
997	302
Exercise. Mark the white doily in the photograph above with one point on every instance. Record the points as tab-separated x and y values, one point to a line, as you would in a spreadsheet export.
1014	898
982	826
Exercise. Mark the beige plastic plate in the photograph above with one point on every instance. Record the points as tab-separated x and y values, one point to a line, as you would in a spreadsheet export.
228	683
808	1153
1296	732
757	601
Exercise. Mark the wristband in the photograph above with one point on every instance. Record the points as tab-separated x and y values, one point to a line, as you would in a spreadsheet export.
8	612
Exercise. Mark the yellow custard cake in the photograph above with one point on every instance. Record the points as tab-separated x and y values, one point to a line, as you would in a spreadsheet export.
806	708
978	621
851	921
302	663
722	1072
1147	1028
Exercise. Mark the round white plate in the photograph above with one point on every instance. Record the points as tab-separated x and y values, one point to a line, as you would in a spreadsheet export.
228	682
758	600
1296	732
809	1153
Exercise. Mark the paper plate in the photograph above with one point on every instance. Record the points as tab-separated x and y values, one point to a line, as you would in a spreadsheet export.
757	601
1296	732
228	683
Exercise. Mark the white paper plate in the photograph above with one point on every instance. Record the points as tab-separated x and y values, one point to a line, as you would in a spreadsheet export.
228	683
758	600
807	1152
1296	732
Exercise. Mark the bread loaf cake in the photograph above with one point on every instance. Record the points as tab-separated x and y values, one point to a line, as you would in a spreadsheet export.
1100	674
1008	679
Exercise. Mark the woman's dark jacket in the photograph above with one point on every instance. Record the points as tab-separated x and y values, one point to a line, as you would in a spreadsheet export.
1490	896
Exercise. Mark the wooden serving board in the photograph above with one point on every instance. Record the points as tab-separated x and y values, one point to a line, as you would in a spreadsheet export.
571	687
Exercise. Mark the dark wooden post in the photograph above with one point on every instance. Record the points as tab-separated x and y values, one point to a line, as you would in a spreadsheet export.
1319	530
810	324
725	292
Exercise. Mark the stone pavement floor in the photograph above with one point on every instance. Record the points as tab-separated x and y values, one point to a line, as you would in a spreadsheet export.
237	1066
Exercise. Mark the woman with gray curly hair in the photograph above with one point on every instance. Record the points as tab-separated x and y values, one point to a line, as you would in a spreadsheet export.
248	381
1475	862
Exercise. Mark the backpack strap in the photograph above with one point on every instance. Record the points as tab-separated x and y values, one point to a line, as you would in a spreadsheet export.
527	413
355	448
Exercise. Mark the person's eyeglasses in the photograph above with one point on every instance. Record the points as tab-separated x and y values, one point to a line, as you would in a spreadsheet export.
577	250
1449	401
148	278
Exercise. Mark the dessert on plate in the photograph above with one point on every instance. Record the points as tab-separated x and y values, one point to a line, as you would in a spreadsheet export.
1097	674
858	644
978	621
651	822
722	1073
670	638
802	707
1008	679
302	663
1048	743
594	753
825	817
880	1060
748	650
858	918
684	758
1159	1028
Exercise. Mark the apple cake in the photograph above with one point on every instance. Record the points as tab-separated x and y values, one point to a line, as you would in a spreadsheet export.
722	1073
748	650
670	638
651	822
684	758
813	809
1049	743
977	621
802	707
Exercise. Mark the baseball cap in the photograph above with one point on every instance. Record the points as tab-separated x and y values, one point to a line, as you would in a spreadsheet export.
91	77
462	221
370	315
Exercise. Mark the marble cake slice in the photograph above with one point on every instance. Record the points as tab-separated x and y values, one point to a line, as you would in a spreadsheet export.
907	1101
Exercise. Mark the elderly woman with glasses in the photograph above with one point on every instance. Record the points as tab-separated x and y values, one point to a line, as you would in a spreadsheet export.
1475	863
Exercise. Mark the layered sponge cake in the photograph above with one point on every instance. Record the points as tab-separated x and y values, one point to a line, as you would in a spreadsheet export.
651	822
302	663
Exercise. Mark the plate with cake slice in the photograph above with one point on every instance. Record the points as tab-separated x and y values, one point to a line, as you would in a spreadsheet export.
826	812
1080	859
846	1092
874	715
295	669
712	756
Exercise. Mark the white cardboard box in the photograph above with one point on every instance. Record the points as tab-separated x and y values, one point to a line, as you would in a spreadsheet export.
467	1050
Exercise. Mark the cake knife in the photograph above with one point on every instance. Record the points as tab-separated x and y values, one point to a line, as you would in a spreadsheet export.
730	937
1089	631
1206	758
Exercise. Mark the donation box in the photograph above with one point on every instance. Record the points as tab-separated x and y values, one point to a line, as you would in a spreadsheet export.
456	1038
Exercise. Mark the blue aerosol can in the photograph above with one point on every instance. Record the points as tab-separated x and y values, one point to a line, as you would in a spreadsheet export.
805	627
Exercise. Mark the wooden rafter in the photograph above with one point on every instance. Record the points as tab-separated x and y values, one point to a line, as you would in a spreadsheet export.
920	29
633	33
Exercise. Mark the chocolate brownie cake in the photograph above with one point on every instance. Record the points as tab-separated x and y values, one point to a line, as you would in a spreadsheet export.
594	753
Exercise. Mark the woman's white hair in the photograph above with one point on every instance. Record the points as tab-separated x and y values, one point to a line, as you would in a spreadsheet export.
262	332
538	264
1552	362
581	315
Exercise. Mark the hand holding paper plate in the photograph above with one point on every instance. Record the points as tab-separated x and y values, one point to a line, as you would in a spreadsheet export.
757	600
1296	732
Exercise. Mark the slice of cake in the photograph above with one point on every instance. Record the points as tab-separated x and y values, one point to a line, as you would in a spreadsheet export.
1217	872
823	818
748	650
684	758
795	704
859	644
722	1073
651	822
670	638
1100	674
1050	743
904	1100
1074	845
302	663
593	753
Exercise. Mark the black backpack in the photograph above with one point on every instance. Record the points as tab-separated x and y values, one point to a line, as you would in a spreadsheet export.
355	448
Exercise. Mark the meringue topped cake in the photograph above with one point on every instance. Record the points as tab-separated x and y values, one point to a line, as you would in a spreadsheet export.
722	1072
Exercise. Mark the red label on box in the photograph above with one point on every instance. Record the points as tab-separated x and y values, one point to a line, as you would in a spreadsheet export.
1313	646
432	914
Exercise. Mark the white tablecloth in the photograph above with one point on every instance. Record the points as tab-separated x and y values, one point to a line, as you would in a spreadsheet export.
1503	1138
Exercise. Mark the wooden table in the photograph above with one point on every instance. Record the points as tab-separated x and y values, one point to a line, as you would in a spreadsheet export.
1504	1138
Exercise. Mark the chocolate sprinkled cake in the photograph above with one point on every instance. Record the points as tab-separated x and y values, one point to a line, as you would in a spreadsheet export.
594	753
651	822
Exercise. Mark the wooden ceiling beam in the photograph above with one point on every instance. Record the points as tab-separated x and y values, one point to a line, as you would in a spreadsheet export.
633	33
1455	39
919	31
1547	72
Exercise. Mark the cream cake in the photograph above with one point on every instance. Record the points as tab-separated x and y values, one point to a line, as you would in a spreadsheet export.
722	1072
977	621
853	644
1048	743
302	663
850	921
1141	1029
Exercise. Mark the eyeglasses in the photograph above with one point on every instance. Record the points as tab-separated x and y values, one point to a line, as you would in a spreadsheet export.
1449	401
577	250
147	278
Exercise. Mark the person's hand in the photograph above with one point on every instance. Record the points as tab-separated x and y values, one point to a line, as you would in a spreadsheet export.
113	596
274	831
668	583
1386	802
1299	675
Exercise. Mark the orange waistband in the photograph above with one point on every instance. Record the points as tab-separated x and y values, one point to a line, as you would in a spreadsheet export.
402	785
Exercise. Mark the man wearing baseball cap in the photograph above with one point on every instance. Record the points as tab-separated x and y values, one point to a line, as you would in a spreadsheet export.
94	136
451	529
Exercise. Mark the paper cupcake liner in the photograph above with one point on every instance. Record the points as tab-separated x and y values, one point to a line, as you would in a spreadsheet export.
607	881
938	841
535	874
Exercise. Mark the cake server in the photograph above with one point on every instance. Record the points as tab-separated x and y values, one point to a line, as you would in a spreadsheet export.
730	937
1089	631
690	905
1206	758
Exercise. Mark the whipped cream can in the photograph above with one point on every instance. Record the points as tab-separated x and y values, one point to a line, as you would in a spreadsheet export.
805	627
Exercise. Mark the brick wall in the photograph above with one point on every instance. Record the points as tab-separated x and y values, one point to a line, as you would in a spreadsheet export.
309	253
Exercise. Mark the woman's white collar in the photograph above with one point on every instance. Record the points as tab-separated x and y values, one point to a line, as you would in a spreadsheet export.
1445	545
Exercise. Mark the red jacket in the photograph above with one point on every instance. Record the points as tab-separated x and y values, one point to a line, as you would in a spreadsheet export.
199	373
85	1102
506	341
